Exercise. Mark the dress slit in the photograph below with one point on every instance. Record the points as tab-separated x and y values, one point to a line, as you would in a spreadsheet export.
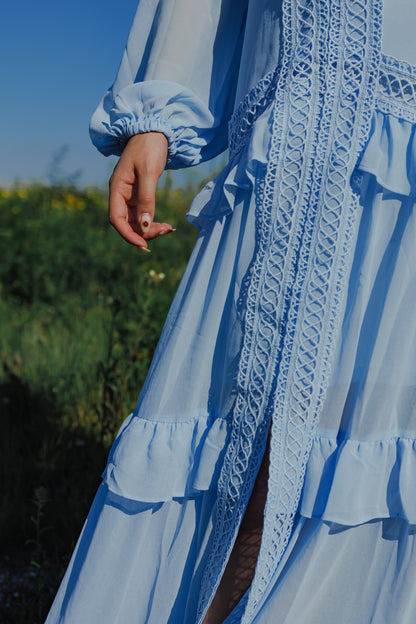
241	565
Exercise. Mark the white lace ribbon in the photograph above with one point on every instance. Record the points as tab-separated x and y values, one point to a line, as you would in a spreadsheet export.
323	101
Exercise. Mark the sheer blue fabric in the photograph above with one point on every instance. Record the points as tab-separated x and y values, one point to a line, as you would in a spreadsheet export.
186	91
296	311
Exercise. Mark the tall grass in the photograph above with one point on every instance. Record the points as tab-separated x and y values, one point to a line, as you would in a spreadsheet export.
80	316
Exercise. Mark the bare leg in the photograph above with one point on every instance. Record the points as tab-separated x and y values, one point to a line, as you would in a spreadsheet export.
241	565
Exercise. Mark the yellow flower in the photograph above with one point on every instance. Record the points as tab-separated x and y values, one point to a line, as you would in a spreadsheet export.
71	199
57	204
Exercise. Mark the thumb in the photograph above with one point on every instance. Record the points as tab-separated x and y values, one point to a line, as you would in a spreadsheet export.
146	201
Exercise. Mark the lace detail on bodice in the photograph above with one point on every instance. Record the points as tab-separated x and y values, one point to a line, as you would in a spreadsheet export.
292	294
395	95
249	109
396	91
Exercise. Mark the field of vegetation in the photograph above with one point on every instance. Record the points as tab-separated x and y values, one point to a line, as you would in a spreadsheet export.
80	316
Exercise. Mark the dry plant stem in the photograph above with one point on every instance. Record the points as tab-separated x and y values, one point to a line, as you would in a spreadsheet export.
241	565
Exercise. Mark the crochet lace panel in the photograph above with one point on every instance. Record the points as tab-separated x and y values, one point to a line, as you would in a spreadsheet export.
396	89
291	299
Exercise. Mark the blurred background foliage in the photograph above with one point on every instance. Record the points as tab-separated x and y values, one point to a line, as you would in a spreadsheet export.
80	316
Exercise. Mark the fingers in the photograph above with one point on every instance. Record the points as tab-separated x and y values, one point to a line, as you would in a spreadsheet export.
146	198
158	229
120	195
126	221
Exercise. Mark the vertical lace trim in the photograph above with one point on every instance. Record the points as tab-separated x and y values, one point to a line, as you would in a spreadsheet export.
324	100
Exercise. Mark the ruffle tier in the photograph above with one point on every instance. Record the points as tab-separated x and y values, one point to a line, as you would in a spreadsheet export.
237	180
352	482
158	461
390	154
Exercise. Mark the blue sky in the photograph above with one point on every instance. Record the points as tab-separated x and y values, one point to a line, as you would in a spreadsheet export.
57	58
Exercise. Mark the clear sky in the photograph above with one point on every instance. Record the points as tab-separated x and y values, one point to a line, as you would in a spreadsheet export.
57	58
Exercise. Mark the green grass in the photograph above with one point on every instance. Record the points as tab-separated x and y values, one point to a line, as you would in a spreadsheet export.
80	315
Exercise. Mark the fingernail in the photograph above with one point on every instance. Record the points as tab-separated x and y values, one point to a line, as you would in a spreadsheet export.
145	221
169	231
144	249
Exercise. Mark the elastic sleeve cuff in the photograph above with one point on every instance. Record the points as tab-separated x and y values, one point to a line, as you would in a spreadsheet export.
124	128
157	106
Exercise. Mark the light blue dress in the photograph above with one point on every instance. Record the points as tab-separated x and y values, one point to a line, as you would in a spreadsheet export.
297	308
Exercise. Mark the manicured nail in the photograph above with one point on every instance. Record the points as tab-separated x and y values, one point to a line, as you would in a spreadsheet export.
145	221
144	249
169	231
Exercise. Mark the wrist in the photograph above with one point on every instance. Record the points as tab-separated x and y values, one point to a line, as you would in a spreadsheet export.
147	152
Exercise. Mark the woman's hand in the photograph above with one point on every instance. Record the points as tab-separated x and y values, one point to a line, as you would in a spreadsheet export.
133	187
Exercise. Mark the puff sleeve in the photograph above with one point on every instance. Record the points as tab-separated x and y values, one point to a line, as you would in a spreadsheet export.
178	75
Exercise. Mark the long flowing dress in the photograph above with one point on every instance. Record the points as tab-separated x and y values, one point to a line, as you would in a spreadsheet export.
296	312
